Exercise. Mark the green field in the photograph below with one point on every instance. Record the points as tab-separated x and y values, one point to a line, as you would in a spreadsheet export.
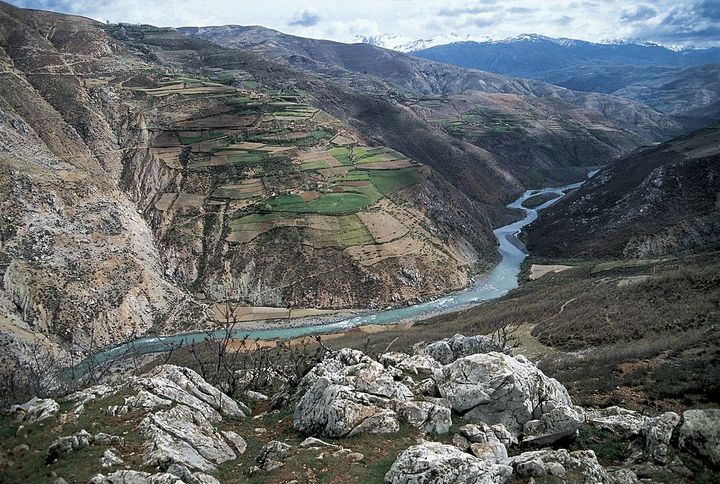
352	232
327	203
212	134
393	180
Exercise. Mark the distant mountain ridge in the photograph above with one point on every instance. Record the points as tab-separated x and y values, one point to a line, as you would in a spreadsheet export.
678	82
529	54
403	43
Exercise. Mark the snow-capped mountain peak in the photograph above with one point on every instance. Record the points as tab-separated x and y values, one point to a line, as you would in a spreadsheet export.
403	43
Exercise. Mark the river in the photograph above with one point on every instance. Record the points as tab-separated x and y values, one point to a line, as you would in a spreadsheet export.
502	279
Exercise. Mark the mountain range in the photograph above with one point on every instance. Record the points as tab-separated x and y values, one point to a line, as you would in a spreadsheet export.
685	82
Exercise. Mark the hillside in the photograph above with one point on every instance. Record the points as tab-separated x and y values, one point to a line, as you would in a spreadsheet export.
673	82
141	185
539	130
655	202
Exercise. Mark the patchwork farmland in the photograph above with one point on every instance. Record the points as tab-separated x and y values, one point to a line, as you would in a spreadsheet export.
259	191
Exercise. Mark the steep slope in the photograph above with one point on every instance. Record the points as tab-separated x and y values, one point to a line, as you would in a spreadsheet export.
658	201
79	263
673	82
615	125
147	176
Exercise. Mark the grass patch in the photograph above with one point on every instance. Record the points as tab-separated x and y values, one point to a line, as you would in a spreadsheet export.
393	180
212	134
327	203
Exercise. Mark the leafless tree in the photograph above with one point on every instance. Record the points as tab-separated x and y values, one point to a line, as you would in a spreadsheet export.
505	334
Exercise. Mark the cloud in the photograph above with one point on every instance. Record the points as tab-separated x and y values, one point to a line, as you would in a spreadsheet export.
564	20
456	12
638	14
696	23
306	18
673	22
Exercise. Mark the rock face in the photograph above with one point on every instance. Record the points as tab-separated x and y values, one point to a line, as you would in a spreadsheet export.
496	388
450	349
184	436
35	410
174	475
179	427
658	432
617	420
700	434
432	462
168	385
578	467
349	393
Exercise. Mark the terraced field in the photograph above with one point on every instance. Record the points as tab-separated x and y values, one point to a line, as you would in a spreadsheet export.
271	162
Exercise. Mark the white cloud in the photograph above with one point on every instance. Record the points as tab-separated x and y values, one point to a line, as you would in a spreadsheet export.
342	20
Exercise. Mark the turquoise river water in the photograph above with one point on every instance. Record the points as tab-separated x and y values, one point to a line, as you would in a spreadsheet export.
502	279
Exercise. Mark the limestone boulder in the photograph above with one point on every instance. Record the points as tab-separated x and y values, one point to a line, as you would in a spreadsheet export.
35	410
349	393
416	364
334	410
433	462
618	420
179	385
182	435
700	434
497	388
580	466
657	433
430	417
448	350
557	421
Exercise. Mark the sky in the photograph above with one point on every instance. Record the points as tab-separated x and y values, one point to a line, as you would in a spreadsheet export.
678	23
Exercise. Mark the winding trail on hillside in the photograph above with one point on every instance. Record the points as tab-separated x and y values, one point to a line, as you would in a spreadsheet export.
497	283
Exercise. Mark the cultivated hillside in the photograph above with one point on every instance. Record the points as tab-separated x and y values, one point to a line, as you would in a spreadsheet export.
537	128
658	201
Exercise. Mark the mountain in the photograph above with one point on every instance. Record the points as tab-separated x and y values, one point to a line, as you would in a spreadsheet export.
402	43
656	202
540	131
529	55
147	177
649	73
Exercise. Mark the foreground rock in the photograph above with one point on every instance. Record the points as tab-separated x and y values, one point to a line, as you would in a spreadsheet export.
450	349
349	393
432	462
496	388
700	434
175	475
35	410
179	428
580	466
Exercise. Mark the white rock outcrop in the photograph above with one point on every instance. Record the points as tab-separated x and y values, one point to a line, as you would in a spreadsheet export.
580	466
700	434
433	462
349	393
496	388
35	410
448	350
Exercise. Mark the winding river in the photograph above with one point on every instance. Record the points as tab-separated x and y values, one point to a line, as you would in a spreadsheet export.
490	286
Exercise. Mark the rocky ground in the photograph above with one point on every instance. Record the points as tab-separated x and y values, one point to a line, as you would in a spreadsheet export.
459	410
